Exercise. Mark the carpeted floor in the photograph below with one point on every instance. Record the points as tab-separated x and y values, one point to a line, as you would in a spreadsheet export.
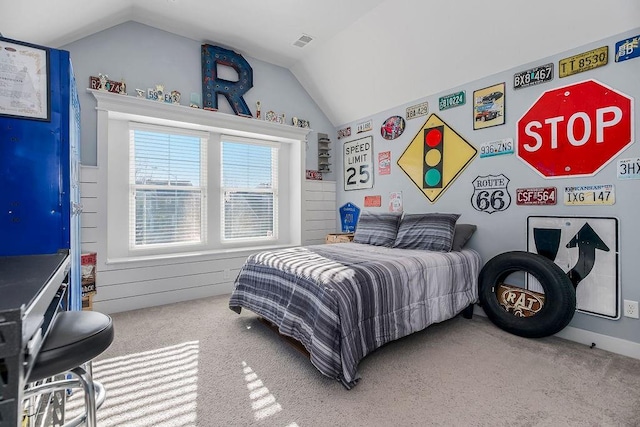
200	364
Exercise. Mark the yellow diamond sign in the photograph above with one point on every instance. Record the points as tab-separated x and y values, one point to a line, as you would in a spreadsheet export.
436	156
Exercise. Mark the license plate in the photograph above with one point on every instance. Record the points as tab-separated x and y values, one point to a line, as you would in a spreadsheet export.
452	100
584	61
372	201
628	49
496	148
365	126
534	76
629	168
537	196
314	175
417	110
518	301
343	133
589	195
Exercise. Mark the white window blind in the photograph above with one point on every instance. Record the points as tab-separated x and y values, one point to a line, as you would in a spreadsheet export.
168	188
249	190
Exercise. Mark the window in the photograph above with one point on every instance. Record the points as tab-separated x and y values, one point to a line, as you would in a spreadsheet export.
178	182
249	189
168	188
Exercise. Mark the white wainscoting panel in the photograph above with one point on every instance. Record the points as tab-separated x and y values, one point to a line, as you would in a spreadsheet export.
320	211
128	286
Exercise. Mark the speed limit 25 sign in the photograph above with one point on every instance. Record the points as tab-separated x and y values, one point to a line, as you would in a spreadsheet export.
358	163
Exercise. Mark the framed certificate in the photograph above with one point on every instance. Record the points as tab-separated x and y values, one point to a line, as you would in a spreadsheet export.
24	80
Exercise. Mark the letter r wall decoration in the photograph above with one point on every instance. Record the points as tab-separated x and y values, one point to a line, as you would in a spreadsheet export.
212	85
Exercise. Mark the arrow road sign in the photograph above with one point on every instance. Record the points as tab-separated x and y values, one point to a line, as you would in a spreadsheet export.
586	248
547	241
587	241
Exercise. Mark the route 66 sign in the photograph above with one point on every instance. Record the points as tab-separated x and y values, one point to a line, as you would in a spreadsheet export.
490	193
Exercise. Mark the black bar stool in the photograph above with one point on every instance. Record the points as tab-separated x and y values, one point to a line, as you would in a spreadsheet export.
75	338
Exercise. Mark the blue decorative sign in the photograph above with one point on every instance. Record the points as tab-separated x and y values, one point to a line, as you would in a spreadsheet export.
349	214
628	49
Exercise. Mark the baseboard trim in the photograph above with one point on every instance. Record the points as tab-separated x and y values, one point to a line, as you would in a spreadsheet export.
603	342
137	302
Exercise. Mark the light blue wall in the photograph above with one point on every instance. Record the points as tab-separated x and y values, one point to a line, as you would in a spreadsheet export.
507	230
144	56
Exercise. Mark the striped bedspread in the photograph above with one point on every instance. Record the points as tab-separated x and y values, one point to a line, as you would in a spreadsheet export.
342	301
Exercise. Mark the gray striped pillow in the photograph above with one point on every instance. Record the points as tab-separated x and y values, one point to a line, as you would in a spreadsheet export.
432	232
377	229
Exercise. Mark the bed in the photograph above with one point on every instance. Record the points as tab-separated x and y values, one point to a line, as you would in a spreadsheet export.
342	301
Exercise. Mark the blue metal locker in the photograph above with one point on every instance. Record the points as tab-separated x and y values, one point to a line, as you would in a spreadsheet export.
39	176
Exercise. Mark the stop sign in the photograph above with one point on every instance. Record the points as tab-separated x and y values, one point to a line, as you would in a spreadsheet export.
575	130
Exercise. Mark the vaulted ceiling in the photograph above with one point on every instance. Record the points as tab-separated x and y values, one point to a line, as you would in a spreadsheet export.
366	55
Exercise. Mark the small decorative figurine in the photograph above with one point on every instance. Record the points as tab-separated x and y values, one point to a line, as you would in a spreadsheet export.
160	93
104	82
301	123
123	87
175	97
194	102
271	116
140	93
258	114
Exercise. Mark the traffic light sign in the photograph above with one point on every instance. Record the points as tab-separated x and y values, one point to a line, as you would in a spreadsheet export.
433	150
431	164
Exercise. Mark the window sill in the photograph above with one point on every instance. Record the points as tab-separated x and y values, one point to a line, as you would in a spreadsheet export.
195	255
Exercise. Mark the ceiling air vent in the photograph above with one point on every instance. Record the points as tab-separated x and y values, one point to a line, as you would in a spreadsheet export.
303	40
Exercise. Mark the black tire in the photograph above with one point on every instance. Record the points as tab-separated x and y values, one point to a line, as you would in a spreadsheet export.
560	296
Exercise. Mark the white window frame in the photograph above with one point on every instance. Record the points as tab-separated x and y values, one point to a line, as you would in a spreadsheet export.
274	190
202	188
115	113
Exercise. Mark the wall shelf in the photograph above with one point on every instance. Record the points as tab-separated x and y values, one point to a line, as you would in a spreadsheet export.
324	153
